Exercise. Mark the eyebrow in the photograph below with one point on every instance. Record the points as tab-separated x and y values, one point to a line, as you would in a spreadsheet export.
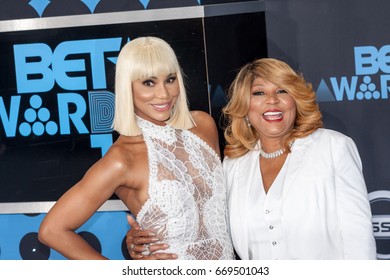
155	77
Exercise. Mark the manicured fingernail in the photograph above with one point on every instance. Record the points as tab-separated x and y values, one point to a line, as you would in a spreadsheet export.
151	234
174	256
139	256
165	246
154	239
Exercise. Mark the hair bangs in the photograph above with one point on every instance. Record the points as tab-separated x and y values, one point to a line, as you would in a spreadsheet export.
153	61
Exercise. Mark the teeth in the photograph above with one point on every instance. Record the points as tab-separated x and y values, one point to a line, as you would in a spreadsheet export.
273	115
161	106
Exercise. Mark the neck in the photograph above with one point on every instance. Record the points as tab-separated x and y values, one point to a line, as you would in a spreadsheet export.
270	145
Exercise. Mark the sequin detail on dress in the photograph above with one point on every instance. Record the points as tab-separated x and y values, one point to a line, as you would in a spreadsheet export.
187	198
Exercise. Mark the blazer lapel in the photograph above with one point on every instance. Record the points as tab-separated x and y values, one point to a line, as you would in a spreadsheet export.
299	151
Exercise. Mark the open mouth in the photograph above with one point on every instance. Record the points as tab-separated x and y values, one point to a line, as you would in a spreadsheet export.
162	107
273	115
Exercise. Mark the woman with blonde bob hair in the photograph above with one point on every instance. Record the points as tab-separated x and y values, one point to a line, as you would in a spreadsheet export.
165	166
295	189
146	57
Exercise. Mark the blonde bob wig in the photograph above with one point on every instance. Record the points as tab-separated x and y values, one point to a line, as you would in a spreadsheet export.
242	138
141	58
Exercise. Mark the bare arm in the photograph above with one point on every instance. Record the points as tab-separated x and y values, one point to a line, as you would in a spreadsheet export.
77	205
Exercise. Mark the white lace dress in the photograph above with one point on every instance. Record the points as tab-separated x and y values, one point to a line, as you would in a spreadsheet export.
186	207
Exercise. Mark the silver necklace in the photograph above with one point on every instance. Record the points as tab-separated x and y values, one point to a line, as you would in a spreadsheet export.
271	155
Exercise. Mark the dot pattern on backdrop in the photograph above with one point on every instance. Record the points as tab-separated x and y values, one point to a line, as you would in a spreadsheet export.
104	231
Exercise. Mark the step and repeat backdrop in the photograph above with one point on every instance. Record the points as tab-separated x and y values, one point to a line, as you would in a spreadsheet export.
57	64
343	49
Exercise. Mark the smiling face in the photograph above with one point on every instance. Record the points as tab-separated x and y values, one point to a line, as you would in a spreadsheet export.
154	97
272	110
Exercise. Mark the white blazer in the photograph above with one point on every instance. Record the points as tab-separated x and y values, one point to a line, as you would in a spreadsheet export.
325	209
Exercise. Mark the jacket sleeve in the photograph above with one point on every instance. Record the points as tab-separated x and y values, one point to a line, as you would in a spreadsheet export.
353	207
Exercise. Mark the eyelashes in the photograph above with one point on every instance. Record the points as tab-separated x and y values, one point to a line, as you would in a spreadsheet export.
260	93
152	82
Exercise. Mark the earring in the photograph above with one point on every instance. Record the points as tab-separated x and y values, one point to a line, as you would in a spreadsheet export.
247	121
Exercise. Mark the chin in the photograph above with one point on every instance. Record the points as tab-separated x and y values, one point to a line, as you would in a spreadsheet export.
162	118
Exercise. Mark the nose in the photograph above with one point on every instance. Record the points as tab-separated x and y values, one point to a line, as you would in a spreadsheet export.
162	91
273	99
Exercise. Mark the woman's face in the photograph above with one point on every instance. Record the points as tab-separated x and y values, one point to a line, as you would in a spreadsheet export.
272	110
154	97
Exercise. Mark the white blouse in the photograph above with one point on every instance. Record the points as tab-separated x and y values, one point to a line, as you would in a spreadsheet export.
265	238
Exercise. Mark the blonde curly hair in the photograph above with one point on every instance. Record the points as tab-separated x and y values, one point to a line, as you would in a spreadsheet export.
240	138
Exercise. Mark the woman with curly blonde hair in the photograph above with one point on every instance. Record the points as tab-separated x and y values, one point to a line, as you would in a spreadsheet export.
295	189
242	137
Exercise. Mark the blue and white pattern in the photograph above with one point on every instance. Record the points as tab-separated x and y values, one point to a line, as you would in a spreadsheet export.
41	5
105	231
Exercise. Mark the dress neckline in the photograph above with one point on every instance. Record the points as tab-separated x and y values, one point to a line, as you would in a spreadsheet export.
165	133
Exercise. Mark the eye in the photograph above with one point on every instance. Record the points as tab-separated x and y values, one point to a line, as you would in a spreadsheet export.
148	83
171	80
258	93
280	91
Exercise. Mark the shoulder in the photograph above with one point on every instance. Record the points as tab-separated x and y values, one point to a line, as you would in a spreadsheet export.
331	143
331	137
206	129
324	133
232	163
202	119
229	163
123	152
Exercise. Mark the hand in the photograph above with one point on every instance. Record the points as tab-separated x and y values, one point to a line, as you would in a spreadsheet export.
140	244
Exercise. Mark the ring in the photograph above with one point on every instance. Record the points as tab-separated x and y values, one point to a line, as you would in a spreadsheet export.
132	247
146	252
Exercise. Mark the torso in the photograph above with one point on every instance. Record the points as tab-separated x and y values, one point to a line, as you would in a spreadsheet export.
270	168
134	158
176	188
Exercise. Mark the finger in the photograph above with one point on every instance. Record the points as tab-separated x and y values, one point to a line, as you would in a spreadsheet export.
132	222
164	256
138	248
133	233
157	256
144	240
136	256
144	252
157	247
152	248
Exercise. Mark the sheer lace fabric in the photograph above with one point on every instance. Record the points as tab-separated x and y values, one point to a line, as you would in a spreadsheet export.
186	207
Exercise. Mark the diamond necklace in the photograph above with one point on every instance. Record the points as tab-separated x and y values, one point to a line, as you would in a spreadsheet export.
271	155
274	154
